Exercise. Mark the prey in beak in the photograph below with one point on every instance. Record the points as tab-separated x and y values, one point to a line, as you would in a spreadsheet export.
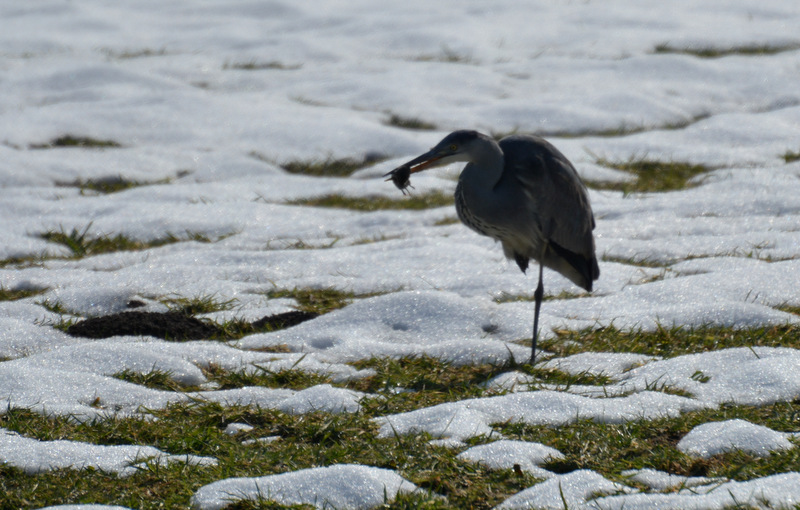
401	176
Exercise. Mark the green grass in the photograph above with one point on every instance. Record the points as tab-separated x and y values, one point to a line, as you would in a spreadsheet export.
415	201
447	55
326	168
77	141
510	298
108	185
790	156
131	54
447	221
22	262
81	244
207	303
254	65
15	294
712	52
291	379
624	129
789	309
651	176
670	342
614	448
633	261
409	123
319	439
320	301
155	379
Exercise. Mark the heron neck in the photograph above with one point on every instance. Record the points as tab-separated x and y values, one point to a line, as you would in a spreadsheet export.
486	166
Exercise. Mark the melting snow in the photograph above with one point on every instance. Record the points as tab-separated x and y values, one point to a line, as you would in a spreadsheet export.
338	486
163	81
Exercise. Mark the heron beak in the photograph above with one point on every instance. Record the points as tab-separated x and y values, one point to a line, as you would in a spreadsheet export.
420	163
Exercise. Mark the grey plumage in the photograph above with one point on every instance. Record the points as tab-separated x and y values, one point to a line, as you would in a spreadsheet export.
525	194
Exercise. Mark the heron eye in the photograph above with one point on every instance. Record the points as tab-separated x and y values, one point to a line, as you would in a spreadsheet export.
453	147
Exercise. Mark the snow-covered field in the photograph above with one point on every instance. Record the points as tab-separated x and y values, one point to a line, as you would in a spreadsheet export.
207	100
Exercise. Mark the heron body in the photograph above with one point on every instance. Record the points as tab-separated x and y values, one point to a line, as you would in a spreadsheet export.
522	192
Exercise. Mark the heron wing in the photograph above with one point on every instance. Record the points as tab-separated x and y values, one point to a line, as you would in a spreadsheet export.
557	200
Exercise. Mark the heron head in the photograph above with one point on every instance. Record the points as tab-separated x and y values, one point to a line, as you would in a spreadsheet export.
455	147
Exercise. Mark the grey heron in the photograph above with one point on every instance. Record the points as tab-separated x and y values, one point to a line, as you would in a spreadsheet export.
524	193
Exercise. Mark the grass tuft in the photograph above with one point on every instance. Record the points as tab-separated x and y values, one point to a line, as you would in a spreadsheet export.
669	342
711	52
319	301
409	123
328	168
155	379
15	294
254	65
77	141
448	56
510	298
23	262
789	309
110	184
81	244
447	221
207	303
131	54
624	129
651	176
427	200
790	156
633	261
261	376
412	382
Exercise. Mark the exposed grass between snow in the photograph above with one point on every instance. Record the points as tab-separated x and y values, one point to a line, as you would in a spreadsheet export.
409	123
447	55
712	52
651	176
510	298
613	448
82	244
632	261
789	309
623	129
790	156
319	301
320	439
670	342
207	303
77	141
155	379
254	65
131	54
409	383
414	201
326	168
111	184
287	379
15	294
452	220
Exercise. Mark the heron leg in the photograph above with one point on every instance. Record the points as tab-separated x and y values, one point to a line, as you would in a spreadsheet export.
537	296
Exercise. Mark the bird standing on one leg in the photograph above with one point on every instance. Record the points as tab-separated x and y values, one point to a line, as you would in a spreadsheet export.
522	192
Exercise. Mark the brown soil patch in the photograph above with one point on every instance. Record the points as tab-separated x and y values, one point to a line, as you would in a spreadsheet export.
173	325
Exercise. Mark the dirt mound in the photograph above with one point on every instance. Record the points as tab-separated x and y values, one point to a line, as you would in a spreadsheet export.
174	326
170	326
283	320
